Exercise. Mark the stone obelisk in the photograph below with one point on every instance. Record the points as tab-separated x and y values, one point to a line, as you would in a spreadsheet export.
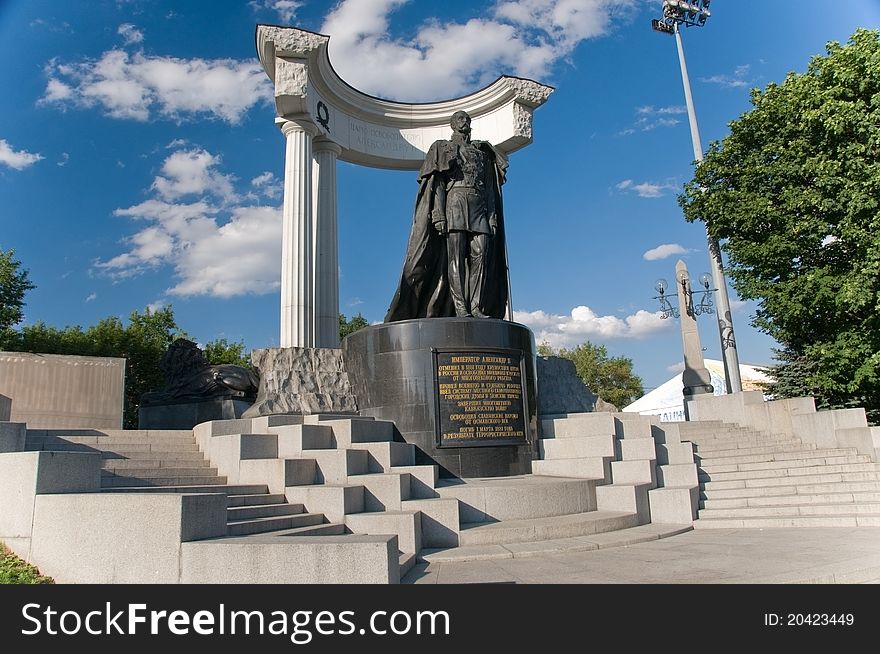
696	378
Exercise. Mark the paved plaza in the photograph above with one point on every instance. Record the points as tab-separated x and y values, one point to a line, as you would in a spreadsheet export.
716	556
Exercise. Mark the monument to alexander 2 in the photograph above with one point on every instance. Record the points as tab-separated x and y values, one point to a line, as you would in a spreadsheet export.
457	379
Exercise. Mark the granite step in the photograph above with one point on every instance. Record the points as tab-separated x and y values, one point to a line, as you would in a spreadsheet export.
749	451
788	510
594	467
793	489
790	471
406	525
145	434
231	490
152	455
384	455
256	499
576	447
826	478
866	520
121	481
272	523
744	443
407	561
162	472
788	464
383	491
732	436
253	511
605	540
867	497
333	500
153	464
776	456
538	529
123	450
325	529
115	441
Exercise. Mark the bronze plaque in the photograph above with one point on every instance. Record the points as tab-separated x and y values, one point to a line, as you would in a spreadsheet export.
480	398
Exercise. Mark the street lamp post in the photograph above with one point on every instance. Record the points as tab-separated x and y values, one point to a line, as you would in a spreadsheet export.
695	378
695	14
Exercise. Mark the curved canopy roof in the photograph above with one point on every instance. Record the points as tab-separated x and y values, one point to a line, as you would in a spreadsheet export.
384	133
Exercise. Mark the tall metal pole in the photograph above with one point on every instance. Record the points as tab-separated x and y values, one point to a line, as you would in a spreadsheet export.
725	321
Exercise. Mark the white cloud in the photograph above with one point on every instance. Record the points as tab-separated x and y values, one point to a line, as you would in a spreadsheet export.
446	59
649	117
137	86
664	251
676	367
646	189
130	34
739	78
17	159
64	159
737	305
243	256
92	297
267	184
189	172
216	244
286	9
650	110
583	324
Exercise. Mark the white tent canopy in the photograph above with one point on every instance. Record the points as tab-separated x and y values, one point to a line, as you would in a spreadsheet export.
667	400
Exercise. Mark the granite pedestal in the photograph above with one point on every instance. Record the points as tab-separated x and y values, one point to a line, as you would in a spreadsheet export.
463	390
186	414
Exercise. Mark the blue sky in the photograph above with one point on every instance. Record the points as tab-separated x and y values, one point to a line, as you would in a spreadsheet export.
140	164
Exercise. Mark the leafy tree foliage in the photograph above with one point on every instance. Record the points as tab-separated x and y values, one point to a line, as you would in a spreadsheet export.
794	191
347	326
611	378
14	283
222	351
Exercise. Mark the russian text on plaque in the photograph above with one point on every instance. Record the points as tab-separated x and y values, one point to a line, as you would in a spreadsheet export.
479	398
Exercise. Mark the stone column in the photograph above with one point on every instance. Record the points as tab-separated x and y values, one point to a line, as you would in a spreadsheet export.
696	377
297	240
326	251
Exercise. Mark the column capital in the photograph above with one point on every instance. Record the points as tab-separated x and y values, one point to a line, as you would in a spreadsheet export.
323	144
302	123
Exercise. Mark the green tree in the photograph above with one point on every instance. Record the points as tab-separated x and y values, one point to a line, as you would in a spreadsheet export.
347	326
14	283
794	194
222	351
611	378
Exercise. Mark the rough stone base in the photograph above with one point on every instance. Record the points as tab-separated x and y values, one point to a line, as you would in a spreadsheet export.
302	381
560	390
186	415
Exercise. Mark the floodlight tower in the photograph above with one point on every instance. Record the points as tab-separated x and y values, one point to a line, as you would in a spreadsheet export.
695	13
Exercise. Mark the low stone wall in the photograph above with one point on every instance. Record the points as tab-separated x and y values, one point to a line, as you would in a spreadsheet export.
59	391
53	515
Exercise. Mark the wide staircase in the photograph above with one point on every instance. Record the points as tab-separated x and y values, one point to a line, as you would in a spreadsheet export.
169	461
756	479
602	480
302	476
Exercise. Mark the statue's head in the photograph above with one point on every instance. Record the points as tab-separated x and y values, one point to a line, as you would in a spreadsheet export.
461	123
183	357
